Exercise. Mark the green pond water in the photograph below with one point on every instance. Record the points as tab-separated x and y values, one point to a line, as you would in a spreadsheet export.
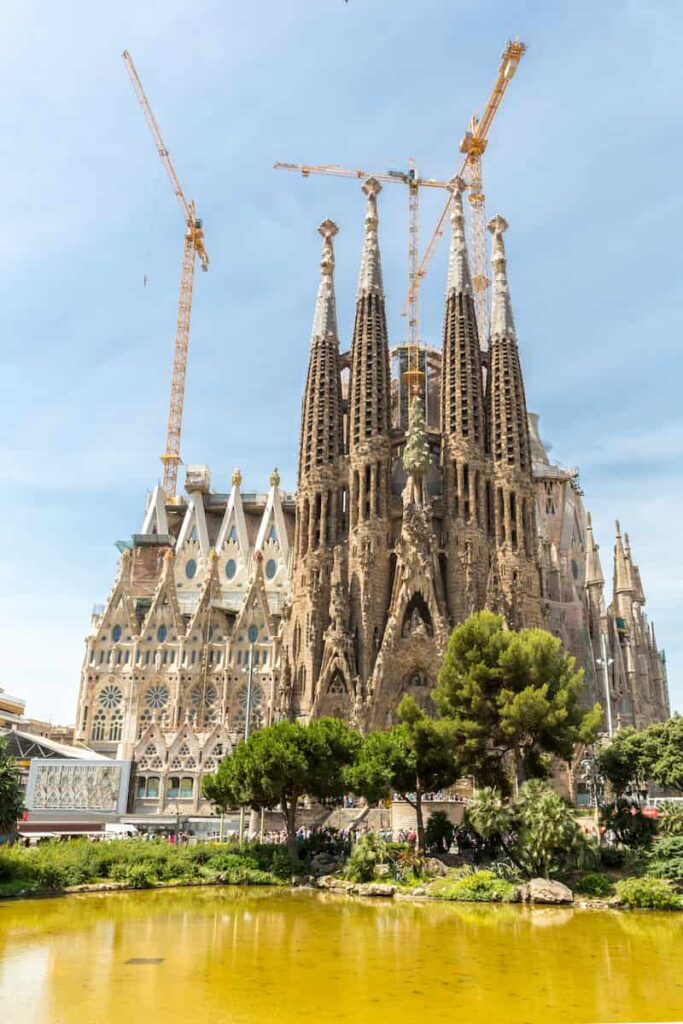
244	955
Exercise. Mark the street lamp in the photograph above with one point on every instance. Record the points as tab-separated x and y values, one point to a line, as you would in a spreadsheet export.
605	663
252	634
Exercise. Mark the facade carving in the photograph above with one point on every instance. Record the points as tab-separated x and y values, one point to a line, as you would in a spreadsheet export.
340	599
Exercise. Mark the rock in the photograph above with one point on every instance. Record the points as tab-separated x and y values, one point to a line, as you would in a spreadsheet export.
375	889
434	866
545	890
419	891
326	881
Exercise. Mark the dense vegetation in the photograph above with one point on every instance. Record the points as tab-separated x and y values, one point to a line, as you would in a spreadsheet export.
10	792
55	866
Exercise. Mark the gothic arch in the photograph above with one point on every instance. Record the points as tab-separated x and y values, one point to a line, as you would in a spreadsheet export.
417	610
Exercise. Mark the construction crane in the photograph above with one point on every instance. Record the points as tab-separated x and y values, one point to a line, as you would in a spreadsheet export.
193	246
414	183
473	145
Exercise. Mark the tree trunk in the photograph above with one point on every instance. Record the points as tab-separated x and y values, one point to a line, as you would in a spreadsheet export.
420	821
289	808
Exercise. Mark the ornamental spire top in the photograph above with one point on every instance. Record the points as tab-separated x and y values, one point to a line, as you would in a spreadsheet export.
594	575
502	322
370	277
459	278
325	319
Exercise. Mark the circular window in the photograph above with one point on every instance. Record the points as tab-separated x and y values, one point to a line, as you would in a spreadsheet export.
271	568
190	568
110	696
116	634
230	568
162	633
156	697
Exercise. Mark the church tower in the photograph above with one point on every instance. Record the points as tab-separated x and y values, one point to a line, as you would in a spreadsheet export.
369	449
509	446
320	493
462	428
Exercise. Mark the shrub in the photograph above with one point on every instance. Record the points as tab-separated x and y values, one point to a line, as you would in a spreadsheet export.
594	884
369	852
439	833
612	856
648	894
671	821
631	827
479	887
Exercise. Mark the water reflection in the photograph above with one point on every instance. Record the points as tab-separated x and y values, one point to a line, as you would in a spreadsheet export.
254	955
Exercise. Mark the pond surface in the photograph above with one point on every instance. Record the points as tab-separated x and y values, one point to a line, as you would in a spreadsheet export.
239	956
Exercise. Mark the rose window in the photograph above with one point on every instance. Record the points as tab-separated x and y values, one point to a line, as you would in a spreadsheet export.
110	697
156	697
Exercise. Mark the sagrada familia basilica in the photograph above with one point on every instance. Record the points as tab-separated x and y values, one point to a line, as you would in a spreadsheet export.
407	517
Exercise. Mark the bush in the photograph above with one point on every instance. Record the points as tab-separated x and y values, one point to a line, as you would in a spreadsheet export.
439	832
648	894
612	857
631	827
594	884
369	852
671	821
479	887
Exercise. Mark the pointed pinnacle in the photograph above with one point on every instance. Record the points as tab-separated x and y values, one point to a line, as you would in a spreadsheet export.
370	277
459	278
502	321
325	319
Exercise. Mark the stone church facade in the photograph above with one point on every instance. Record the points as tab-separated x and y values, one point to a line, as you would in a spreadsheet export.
340	599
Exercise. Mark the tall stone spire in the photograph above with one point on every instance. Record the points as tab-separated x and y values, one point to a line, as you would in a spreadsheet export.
321	423
507	437
370	381
369	447
463	426
320	492
462	400
594	577
508	427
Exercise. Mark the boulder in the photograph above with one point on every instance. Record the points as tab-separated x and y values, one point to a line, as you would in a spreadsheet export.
375	889
546	890
434	866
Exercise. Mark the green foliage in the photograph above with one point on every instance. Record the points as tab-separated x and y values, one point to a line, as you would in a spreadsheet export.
478	887
666	860
626	762
548	837
283	762
491	820
648	894
417	756
11	804
631	827
666	745
595	885
671	820
369	852
612	857
439	832
55	866
511	695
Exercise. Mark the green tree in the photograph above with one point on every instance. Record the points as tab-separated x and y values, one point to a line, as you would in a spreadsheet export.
417	756
513	698
280	764
627	761
11	802
491	820
665	742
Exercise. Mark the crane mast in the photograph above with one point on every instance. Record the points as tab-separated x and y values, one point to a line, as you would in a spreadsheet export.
414	183
473	146
193	246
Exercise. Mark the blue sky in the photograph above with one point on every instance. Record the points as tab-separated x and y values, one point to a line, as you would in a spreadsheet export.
585	162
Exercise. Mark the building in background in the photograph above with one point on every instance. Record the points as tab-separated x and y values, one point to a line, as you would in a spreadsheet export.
340	599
